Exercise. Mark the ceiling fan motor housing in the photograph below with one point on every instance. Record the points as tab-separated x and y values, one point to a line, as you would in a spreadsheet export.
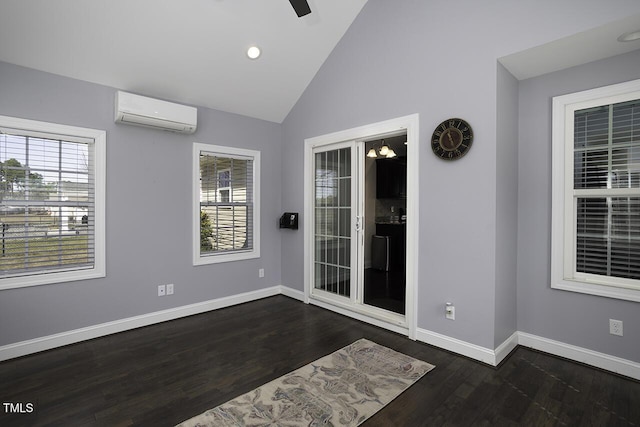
301	7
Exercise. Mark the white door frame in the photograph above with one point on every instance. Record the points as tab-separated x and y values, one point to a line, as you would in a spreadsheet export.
410	124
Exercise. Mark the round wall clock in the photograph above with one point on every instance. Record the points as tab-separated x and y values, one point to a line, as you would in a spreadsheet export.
452	139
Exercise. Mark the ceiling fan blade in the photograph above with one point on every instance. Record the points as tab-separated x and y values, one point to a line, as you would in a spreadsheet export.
301	7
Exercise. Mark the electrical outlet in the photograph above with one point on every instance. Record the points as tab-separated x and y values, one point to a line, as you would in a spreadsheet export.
261	272
170	289
162	290
450	311
615	327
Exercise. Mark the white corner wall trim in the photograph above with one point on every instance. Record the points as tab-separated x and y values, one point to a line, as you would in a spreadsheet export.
36	345
579	354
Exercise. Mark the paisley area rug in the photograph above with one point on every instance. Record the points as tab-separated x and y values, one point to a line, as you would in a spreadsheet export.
341	389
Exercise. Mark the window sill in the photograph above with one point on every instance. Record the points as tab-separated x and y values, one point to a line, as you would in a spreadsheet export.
598	290
51	278
220	258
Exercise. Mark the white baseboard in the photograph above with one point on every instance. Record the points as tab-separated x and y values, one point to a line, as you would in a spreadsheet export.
24	348
457	346
504	349
492	357
292	293
599	360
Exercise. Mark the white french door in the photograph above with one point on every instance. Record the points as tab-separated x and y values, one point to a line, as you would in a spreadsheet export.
334	217
337	218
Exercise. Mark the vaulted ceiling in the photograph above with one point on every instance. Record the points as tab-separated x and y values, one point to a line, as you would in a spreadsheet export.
194	51
190	51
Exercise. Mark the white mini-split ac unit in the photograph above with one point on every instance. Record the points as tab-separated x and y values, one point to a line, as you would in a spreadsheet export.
142	111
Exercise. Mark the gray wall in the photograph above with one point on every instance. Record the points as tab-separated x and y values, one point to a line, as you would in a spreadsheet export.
569	317
148	211
397	58
400	58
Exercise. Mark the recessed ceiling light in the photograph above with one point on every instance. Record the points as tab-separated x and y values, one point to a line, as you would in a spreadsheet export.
253	52
630	36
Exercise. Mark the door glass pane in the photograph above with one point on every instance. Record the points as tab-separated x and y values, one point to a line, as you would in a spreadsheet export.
332	207
344	190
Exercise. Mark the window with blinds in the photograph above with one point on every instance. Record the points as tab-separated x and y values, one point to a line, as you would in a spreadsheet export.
226	211
48	210
596	191
606	181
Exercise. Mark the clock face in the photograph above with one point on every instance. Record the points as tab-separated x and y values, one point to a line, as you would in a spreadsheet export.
452	139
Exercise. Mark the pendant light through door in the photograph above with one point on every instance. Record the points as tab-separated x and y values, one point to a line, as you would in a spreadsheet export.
385	151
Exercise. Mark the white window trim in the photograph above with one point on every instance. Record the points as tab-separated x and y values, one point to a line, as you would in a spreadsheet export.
99	154
562	212
215	258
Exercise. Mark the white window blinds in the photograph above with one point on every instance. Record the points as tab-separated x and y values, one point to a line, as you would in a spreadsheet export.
606	183
47	203
226	203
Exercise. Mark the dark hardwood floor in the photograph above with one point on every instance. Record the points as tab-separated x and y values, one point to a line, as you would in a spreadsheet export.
162	374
